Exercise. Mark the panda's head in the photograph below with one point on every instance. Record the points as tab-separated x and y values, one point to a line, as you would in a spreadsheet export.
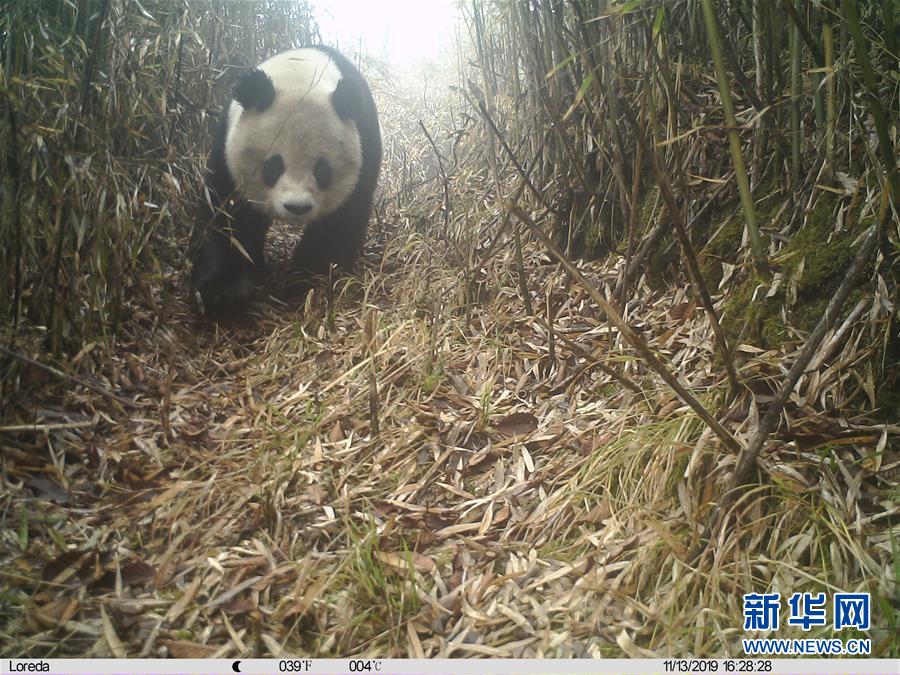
292	145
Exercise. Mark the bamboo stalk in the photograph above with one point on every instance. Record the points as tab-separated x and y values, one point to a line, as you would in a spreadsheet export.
447	204
819	59
690	257
734	140
15	207
759	60
886	148
807	37
631	336
796	84
622	288
523	279
828	44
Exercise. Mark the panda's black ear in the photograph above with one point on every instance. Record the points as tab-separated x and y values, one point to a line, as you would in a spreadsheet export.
346	99
254	90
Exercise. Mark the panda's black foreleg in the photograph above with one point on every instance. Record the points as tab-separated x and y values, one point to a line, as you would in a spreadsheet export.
221	276
337	239
249	228
230	259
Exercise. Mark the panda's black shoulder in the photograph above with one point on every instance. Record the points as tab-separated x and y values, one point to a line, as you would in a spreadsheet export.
220	179
347	69
366	123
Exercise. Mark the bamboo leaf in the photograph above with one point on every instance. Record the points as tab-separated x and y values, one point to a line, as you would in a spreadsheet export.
559	66
580	95
658	21
23	529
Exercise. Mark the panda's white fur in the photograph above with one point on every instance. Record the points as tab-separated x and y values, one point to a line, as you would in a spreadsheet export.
302	127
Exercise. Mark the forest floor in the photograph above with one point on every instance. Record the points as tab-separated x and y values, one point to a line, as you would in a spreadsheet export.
411	464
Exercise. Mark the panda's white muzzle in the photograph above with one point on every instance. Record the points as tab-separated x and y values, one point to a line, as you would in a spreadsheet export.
296	206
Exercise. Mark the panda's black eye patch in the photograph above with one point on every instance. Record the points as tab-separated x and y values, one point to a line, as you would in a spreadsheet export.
272	169
323	173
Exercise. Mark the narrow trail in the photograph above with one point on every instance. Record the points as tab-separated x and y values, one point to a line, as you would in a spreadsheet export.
247	505
407	465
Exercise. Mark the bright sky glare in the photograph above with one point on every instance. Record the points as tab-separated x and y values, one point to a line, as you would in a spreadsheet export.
402	32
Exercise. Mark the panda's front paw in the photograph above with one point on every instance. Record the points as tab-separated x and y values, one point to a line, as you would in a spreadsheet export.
221	294
221	278
223	291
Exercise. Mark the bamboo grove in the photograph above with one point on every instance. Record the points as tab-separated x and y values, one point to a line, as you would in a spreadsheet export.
649	125
107	108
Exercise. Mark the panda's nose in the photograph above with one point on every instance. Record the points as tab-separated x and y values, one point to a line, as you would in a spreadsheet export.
298	208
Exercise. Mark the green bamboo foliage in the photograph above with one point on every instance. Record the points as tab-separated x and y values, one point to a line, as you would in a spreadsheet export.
577	63
581	68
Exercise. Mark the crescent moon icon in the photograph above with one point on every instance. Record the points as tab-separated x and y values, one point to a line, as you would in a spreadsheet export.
236	666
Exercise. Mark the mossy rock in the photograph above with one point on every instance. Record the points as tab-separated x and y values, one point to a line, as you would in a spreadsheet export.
646	201
815	259
666	257
726	242
757	321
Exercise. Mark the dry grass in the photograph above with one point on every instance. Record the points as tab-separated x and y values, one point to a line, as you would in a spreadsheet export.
516	501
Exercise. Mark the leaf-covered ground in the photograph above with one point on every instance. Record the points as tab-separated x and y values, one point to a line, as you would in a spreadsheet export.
410	464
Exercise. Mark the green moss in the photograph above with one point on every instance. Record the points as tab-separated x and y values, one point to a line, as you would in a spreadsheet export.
757	322
564	550
723	247
432	377
606	390
647	201
723	241
824	254
887	396
815	260
773	331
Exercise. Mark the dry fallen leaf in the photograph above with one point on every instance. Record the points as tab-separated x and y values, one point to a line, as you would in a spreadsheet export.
399	560
517	423
112	639
185	649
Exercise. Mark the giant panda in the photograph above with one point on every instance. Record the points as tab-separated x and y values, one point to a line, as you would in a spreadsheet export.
299	142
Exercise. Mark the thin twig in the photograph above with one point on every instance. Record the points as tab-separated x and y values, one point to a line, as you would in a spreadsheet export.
522	173
71	378
370	351
44	428
13	167
437	154
687	248
746	460
633	338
